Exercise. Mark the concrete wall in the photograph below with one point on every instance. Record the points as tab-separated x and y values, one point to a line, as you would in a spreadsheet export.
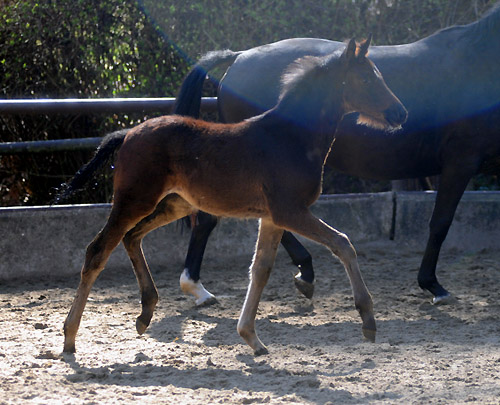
51	241
476	224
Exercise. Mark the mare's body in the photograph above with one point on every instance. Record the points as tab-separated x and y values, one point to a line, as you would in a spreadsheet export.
450	84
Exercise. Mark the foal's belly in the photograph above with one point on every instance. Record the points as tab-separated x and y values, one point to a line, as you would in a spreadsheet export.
240	201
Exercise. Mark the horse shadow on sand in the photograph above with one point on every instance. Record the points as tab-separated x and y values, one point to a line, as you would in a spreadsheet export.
257	377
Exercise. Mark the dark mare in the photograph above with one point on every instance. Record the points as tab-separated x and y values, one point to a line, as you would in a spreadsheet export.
450	84
268	167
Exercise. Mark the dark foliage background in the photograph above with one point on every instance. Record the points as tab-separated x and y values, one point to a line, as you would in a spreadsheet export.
111	48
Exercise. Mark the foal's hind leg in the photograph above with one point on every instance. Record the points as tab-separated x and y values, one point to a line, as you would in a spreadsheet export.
303	260
171	208
263	260
306	224
121	219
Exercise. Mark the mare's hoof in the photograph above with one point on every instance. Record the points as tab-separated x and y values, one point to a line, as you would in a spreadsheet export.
196	289
306	288
261	351
141	326
369	334
206	301
442	299
439	293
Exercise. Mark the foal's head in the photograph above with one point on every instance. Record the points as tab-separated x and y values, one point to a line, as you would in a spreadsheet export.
365	91
342	83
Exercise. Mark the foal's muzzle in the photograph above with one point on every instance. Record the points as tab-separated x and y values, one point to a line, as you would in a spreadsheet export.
396	115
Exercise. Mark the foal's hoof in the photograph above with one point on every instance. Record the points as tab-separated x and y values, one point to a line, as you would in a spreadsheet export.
369	334
69	348
141	326
306	288
261	351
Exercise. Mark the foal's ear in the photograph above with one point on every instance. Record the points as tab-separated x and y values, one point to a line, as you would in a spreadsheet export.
363	46
350	51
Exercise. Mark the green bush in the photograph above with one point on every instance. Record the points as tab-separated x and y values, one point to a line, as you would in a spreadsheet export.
110	48
80	49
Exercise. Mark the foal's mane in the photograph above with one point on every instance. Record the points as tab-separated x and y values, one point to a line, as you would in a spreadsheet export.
299	72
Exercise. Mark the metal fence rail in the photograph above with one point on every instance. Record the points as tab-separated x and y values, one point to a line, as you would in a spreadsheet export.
56	145
76	106
81	106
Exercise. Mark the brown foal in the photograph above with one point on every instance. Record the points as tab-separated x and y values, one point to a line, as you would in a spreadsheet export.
268	167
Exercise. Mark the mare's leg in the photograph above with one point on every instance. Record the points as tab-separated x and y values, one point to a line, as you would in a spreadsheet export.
122	218
306	224
303	260
263	260
190	277
452	186
171	208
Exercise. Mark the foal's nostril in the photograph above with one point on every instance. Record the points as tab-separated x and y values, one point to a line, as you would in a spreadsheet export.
396	114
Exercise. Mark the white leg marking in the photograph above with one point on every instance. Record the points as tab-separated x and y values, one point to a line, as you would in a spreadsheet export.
442	299
196	289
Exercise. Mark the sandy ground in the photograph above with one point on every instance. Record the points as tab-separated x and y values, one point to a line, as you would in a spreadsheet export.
423	354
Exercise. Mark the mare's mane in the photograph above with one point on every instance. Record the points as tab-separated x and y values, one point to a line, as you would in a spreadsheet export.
488	24
494	9
477	31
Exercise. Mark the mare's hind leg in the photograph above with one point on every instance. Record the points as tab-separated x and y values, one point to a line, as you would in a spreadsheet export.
121	219
171	208
302	259
306	224
263	260
190	277
451	188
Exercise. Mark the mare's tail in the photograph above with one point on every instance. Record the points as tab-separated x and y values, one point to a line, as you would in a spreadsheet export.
188	101
102	155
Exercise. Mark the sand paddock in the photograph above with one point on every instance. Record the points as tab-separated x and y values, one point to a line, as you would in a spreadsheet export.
423	354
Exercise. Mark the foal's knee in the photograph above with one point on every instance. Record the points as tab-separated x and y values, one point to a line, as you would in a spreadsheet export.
343	247
131	241
259	276
94	259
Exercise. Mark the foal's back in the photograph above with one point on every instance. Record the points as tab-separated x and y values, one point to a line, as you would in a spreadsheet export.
214	167
225	169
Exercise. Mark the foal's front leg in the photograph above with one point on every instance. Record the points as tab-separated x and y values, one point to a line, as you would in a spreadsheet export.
262	264
306	224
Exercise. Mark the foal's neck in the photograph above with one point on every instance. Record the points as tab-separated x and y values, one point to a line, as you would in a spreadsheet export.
310	115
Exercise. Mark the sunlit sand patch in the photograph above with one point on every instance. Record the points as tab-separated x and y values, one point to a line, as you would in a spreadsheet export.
193	331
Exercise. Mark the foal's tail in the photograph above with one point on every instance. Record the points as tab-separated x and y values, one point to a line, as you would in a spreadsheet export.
188	101
102	155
